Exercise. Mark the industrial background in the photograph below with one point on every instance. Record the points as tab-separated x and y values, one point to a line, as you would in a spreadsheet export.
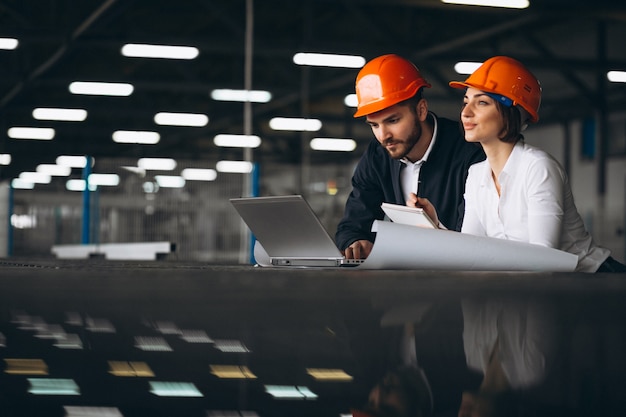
569	45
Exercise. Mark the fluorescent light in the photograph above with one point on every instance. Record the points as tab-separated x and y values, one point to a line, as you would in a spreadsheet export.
137	50
195	336
35	177
237	141
122	368
240	167
174	389
289	392
82	411
104	179
329	374
99	325
5	159
64	115
136	137
20	184
24	221
166	327
616	76
232	372
332	144
295	124
329	60
73	161
101	88
231	346
254	96
157	164
78	185
351	100
70	341
54	170
152	344
26	367
8	43
51	386
199	174
36	133
181	119
466	67
512	4
169	181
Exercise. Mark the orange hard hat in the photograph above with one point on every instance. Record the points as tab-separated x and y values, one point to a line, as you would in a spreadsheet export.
385	81
509	78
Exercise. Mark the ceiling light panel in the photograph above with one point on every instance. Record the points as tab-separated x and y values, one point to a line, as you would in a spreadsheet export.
199	174
26	366
328	60
295	124
181	119
35	133
237	141
73	161
511	4
232	372
174	389
158	164
64	115
137	50
101	88
52	386
8	43
466	68
333	144
235	167
616	76
136	137
253	96
54	170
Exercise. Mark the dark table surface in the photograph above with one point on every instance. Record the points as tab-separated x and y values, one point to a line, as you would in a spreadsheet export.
77	321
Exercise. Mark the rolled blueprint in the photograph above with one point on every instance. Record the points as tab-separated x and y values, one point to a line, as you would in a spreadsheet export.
399	246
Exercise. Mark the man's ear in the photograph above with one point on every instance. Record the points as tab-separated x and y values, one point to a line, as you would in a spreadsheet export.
422	109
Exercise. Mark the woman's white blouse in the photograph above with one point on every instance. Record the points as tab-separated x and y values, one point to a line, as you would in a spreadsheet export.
535	206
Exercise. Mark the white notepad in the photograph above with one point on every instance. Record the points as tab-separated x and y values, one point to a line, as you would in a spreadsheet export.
412	216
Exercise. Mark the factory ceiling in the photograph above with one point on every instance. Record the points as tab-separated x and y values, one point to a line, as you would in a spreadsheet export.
569	45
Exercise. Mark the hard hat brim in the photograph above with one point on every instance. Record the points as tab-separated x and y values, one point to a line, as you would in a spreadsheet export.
534	117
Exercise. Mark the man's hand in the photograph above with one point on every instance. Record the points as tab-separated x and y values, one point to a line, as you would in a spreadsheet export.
424	203
358	250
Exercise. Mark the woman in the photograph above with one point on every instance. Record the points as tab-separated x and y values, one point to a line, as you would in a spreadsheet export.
520	192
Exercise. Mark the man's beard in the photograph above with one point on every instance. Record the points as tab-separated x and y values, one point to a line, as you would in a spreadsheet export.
408	144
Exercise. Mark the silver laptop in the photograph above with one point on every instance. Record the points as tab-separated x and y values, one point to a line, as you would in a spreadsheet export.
290	232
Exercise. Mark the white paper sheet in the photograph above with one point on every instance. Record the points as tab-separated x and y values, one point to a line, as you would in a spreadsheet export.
399	246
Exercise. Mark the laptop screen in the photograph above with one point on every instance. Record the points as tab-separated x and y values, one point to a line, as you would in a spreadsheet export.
286	226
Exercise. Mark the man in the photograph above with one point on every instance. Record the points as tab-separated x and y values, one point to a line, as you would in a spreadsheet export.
415	153
402	392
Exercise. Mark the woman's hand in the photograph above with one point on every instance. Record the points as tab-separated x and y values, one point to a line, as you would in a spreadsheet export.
424	203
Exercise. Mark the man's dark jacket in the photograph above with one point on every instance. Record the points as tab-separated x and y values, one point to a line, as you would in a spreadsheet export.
377	180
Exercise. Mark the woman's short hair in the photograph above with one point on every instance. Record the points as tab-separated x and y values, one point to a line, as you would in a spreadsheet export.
513	124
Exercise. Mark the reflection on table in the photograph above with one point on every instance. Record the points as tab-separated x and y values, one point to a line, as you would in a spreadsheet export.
106	339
